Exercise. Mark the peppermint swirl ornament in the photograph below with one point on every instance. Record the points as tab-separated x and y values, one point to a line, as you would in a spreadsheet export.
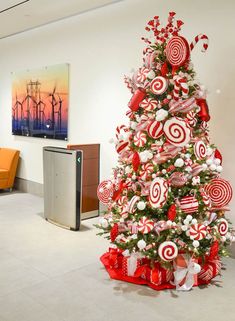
158	85
146	170
168	251
177	131
158	192
149	104
223	227
198	231
200	149
133	203
105	191
177	51
155	129
145	225
220	192
140	139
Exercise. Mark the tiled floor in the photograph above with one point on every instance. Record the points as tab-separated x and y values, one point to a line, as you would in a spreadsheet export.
51	274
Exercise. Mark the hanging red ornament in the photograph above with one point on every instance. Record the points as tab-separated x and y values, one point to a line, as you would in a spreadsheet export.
203	114
218	155
114	232
171	214
164	69
136	99
135	161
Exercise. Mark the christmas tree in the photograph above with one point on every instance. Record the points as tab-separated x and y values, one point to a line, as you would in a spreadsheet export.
165	201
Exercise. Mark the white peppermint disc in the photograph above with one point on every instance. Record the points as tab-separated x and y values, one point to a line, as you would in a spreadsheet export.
168	251
200	149
158	85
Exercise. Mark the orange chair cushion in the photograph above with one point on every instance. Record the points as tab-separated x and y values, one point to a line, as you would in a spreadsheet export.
4	173
6	157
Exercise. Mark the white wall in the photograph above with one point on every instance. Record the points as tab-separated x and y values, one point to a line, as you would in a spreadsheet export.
103	45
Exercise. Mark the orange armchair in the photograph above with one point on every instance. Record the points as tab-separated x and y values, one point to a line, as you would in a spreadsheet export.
8	164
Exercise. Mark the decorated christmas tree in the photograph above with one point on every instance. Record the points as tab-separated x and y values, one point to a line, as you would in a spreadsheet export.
165	201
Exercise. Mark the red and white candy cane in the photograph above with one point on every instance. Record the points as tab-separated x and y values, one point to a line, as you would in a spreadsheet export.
145	225
120	130
180	84
197	39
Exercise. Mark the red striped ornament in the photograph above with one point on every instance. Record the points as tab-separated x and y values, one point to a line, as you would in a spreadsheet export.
145	225
177	179
182	106
198	231
177	51
121	146
158	192
168	251
220	192
191	118
105	191
155	129
189	204
146	170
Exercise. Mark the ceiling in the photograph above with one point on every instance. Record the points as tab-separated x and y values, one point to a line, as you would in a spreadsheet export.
20	15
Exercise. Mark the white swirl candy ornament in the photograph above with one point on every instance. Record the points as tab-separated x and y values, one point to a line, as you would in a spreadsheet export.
168	251
177	131
158	192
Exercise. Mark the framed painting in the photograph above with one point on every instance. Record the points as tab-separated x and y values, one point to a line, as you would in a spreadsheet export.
40	102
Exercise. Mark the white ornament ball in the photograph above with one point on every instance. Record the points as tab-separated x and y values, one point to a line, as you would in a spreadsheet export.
194	221
219	169
133	177
209	161
169	223
133	125
184	227
196	243
217	161
141	244
209	151
186	222
128	170
189	217
223	238
151	74
141	206
161	114
213	167
179	162
154	175
188	169
164	171
196	268
187	155
103	222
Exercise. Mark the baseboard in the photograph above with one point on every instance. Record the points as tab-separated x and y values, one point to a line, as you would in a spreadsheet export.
30	187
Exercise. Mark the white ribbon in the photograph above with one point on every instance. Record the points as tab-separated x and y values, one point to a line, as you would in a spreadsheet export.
186	273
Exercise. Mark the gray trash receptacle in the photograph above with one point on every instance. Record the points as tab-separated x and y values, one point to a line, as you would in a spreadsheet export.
62	174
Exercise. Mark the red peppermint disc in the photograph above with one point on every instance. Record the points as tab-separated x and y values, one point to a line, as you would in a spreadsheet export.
223	227
105	191
220	192
158	192
133	203
149	104
189	204
158	85
177	51
200	149
146	170
168	251
145	225
191	118
142	74
177	131
140	139
155	129
198	231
